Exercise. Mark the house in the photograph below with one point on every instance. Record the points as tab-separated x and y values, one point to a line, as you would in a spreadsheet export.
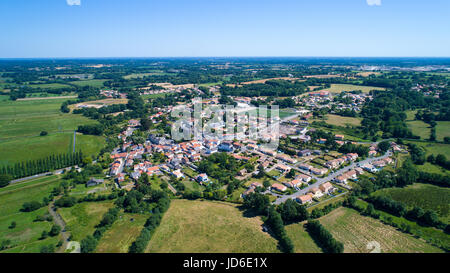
305	153
286	158
278	187
201	178
379	164
352	156
369	168
283	168
304	166
294	183
341	179
136	175
248	191
317	171
317	193
339	137
268	152
226	146
351	174
303	177
304	199
326	187
388	160
134	122
153	170
178	174
321	140
372	153
359	171
94	182
256	185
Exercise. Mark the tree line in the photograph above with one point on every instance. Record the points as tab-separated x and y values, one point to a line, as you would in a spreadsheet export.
32	167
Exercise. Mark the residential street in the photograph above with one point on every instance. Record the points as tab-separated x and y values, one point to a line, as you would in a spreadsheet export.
323	180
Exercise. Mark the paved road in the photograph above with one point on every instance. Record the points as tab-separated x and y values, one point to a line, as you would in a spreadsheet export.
37	176
326	179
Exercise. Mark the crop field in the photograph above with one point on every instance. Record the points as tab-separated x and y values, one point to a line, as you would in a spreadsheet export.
18	150
25	236
209	227
122	233
429	234
29	118
338	88
22	121
99	103
343	121
356	231
49	85
94	83
422	195
82	218
303	243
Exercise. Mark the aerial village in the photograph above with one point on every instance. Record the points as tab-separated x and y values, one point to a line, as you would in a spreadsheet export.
308	177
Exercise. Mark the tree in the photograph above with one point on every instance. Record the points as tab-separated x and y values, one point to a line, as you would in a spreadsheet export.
384	146
55	230
291	174
4	180
145	124
47	249
12	225
31	206
88	244
43	133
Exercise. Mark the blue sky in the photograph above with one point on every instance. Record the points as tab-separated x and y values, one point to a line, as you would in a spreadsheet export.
159	28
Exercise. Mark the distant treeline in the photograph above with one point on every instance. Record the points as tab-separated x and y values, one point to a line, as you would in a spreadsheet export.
32	167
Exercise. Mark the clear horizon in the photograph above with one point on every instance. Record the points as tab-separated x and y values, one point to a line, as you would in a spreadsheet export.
73	29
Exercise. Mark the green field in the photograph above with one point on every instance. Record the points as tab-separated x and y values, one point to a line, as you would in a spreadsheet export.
356	231
423	129
342	121
419	128
422	195
94	83
22	121
49	86
432	168
442	130
82	218
209	227
25	236
433	148
122	233
338	88
18	150
303	243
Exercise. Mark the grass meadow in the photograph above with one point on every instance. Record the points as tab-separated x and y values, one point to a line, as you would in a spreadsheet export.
82	218
122	233
209	227
25	236
22	121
